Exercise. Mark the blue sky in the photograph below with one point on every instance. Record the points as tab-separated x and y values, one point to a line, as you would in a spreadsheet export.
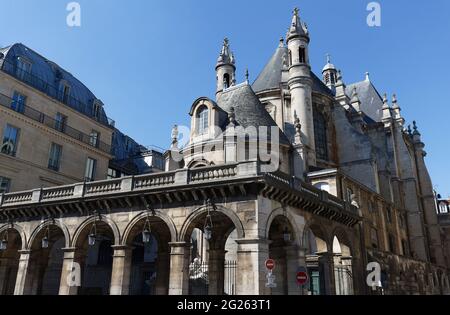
149	60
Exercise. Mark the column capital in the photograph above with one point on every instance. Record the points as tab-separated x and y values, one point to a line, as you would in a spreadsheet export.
179	244
69	249
245	241
121	247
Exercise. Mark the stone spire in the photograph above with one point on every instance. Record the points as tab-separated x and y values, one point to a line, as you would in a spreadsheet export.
226	55
297	28
225	68
355	101
329	74
387	115
397	111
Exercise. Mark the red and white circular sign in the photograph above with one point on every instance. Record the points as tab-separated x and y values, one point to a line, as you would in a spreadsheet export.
270	264
302	278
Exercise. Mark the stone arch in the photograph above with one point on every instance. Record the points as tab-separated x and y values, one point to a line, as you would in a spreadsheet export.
166	219
93	219
196	163
318	232
343	238
290	218
47	223
19	230
188	223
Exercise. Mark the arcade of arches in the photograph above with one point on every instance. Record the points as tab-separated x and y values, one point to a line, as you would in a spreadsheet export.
189	251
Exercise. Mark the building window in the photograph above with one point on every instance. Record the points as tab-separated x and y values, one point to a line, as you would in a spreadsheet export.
290	58
323	186
327	78
392	248
112	173
23	69
94	138
18	102
443	208
402	220
372	206
374	238
5	183
89	173
349	196
97	110
389	215
320	134
55	157
60	122
202	120
64	93
405	248
302	55
226	81
10	140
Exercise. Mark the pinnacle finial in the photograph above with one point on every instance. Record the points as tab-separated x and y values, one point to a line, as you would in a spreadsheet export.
385	98
328	58
281	41
296	11
226	41
367	76
247	75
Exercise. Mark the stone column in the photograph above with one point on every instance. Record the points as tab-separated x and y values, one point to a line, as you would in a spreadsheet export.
121	270
326	265
179	268
70	274
216	270
24	274
251	272
295	258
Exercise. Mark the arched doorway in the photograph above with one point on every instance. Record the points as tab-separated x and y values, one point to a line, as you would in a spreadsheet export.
149	239
212	270
11	243
316	250
46	260
281	237
343	269
94	253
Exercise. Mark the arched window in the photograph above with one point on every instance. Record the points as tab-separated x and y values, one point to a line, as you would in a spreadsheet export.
226	81
302	55
320	134
290	58
202	120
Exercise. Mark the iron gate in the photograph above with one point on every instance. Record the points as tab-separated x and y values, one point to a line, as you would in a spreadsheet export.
199	279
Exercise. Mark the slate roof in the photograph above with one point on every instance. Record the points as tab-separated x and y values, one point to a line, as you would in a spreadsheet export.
371	101
272	75
248	109
46	76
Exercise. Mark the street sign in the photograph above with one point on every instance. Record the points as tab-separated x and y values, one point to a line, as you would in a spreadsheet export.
270	264
271	280
302	278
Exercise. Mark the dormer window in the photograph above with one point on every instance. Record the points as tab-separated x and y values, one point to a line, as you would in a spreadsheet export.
96	111
23	69
64	92
202	120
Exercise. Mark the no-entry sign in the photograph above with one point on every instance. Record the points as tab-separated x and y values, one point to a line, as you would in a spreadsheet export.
302	278
270	264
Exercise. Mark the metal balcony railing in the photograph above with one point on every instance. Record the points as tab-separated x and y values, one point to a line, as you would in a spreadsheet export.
45	87
40	117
